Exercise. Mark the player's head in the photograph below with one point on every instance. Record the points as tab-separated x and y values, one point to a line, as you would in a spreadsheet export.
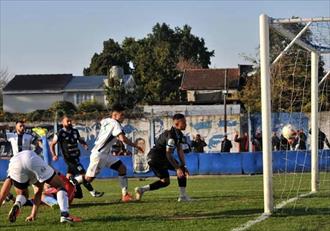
118	113
179	121
66	122
198	137
20	127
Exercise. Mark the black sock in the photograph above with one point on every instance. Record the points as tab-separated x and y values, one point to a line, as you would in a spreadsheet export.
78	194
182	182
88	186
157	185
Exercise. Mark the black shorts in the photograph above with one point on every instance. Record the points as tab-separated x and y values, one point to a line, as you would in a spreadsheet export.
161	169
75	167
21	186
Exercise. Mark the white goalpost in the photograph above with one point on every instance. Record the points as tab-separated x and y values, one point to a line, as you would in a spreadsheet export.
316	50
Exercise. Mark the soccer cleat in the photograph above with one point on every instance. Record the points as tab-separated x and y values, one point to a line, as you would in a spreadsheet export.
69	219
185	198
96	193
138	193
126	198
13	214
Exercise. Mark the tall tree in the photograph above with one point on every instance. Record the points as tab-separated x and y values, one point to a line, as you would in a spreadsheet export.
290	76
155	61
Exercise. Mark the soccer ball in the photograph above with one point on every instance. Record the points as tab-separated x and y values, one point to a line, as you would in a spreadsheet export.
288	131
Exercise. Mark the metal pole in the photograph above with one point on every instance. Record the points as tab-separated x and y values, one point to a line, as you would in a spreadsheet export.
225	103
266	113
314	122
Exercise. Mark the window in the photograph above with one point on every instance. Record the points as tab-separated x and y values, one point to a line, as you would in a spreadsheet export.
83	97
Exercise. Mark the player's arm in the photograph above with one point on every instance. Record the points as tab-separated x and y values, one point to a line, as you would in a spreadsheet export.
52	147
170	146
37	201
127	141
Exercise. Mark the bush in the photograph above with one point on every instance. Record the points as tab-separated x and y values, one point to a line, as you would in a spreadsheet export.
90	106
63	108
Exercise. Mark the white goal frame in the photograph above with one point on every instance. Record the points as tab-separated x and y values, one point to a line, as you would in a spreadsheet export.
265	23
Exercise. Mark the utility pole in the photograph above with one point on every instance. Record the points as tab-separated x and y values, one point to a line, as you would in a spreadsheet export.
225	92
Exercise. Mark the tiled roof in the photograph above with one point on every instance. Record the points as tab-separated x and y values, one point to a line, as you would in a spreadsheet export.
210	79
86	82
40	82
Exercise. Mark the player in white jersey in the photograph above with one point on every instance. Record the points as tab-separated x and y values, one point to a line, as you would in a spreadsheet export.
101	156
19	141
26	168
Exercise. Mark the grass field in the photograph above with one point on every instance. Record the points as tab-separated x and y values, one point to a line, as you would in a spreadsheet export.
220	203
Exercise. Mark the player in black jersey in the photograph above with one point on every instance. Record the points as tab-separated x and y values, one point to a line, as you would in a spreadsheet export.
68	139
160	159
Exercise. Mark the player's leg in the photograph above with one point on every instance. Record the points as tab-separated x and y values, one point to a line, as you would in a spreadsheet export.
182	183
22	194
70	175
77	169
123	182
5	191
62	198
164	181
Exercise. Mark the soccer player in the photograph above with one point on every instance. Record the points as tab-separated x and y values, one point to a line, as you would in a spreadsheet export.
27	167
101	156
68	138
161	160
19	141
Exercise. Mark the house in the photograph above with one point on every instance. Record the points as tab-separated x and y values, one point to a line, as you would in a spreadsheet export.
27	93
208	86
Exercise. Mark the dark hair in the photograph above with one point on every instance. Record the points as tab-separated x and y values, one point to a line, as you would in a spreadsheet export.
117	108
178	116
20	121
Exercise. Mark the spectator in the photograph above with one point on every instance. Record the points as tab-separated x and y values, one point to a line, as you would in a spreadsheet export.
243	142
300	140
276	142
118	149
226	145
257	142
198	144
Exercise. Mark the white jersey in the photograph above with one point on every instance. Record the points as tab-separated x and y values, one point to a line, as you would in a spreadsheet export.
27	166
26	144
107	136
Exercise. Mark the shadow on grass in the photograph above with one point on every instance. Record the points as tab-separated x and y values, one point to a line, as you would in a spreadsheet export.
90	204
214	215
286	212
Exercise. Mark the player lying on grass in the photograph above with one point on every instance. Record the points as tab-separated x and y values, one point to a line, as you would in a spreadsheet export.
160	159
27	167
101	156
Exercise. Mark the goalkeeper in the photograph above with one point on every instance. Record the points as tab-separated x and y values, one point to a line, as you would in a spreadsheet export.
160	159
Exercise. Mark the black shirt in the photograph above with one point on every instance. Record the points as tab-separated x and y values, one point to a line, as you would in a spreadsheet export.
169	138
68	141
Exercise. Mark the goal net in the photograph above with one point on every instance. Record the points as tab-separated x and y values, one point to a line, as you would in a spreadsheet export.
295	85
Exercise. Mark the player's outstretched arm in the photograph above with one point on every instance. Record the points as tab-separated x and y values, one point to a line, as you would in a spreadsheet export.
52	149
37	201
125	140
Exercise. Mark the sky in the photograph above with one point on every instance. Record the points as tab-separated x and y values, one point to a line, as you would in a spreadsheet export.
40	37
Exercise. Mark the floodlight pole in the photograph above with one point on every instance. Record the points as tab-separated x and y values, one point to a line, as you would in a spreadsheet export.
314	122
266	113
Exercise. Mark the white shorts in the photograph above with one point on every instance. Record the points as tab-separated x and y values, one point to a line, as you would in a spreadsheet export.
98	161
27	166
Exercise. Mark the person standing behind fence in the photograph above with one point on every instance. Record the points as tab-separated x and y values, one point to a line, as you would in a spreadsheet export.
276	142
243	142
198	144
226	144
257	142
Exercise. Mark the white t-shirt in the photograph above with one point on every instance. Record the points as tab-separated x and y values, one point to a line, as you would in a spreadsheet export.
107	136
27	140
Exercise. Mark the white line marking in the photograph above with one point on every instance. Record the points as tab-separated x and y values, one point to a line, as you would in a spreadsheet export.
263	216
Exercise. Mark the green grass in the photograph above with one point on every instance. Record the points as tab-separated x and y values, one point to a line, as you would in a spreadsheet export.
221	203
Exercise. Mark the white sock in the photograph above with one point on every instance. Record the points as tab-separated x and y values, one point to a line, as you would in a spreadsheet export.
123	184
80	179
20	200
145	188
63	201
182	191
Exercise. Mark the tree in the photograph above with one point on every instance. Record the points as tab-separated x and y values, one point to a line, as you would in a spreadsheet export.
290	81
63	108
157	62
